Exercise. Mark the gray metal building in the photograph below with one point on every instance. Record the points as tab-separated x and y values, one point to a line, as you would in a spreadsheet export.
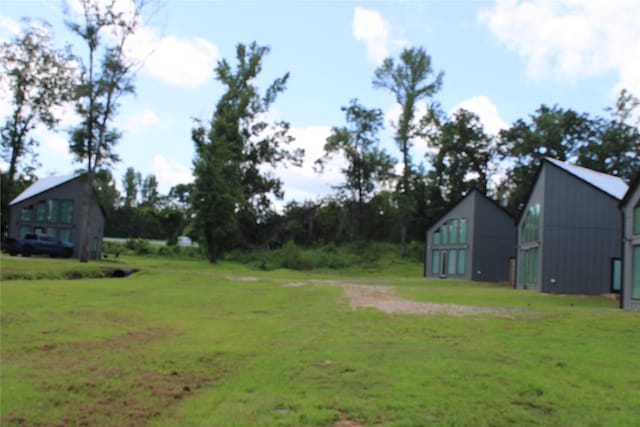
569	231
474	240
54	206
630	297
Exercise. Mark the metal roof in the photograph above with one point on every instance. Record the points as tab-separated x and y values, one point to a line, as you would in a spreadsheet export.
610	184
42	185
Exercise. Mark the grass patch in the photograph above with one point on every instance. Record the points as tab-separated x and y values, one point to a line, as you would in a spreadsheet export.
188	343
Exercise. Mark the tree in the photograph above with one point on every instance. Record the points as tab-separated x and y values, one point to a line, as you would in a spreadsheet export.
131	183
232	190
552	132
149	192
39	78
615	148
367	165
463	156
105	28
410	80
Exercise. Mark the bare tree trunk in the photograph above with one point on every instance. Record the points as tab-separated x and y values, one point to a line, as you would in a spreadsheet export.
86	211
403	240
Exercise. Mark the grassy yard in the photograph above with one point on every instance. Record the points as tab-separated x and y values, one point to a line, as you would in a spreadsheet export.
189	344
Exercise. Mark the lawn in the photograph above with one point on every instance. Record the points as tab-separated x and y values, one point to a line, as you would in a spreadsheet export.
190	344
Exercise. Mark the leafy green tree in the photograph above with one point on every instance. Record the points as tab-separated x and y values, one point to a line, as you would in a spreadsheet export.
39	79
232	190
367	164
616	148
551	132
104	28
463	157
149	194
131	183
410	79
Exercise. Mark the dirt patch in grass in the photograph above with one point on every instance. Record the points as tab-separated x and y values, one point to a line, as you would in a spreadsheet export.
242	278
84	387
384	299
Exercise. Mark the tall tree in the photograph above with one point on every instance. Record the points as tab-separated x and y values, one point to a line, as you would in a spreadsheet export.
367	164
131	183
104	27
232	190
39	79
464	154
551	132
149	194
410	79
616	148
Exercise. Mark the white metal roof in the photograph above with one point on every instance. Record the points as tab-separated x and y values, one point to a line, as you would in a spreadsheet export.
42	185
610	184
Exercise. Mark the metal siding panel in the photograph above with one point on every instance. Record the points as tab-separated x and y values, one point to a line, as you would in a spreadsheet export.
582	229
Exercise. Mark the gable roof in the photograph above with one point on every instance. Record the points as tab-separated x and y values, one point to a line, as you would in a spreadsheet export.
42	185
455	204
612	185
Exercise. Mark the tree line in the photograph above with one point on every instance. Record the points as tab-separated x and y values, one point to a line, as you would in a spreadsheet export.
233	200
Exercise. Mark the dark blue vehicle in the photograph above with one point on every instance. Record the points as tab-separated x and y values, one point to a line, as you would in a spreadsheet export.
35	244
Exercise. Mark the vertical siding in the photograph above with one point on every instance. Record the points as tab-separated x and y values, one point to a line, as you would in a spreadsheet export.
72	190
629	241
494	241
464	209
582	231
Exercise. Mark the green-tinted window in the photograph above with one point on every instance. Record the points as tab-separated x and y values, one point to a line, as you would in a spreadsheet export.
635	268
52	231
26	214
24	230
445	234
41	211
528	266
617	275
462	260
64	234
636	219
66	211
531	225
54	210
463	230
453	231
452	262
436	237
435	262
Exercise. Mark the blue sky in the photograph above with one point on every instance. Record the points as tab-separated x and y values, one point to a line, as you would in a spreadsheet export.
501	60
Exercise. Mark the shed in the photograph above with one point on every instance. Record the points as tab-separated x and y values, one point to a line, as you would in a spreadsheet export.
473	240
53	205
630	205
569	231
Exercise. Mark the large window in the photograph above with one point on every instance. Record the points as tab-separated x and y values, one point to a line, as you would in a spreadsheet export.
636	219
635	280
64	234
66	211
528	268
54	210
462	260
435	262
616	273
41	211
531	225
452	262
453	231
26	214
463	230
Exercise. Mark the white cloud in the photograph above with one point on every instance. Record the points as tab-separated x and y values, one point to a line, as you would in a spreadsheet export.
571	39
170	172
138	121
304	183
369	26
180	62
486	110
8	28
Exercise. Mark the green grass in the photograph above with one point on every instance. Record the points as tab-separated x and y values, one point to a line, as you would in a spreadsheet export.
190	344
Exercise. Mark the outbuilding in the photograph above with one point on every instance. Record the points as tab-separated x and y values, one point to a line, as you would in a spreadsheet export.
474	240
569	231
630	297
54	206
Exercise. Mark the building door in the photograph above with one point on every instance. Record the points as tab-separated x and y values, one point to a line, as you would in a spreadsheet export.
443	263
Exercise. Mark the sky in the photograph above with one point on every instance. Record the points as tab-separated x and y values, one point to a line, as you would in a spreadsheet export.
501	60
